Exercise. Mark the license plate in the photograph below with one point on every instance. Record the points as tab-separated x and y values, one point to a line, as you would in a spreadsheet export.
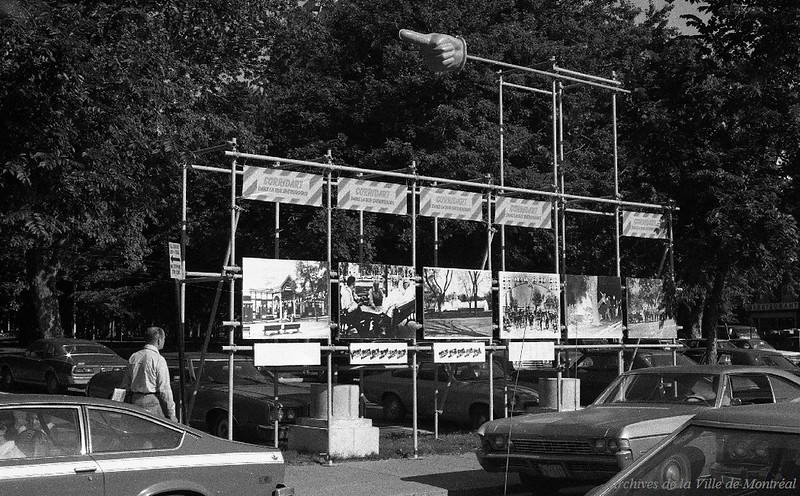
554	471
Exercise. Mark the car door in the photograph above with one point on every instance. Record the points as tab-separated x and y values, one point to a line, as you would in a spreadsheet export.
133	451
54	460
30	364
432	382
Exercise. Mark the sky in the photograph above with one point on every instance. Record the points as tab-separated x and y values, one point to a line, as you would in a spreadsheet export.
679	7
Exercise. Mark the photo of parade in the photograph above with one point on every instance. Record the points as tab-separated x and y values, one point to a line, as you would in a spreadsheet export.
529	305
594	307
377	301
284	299
646	310
457	303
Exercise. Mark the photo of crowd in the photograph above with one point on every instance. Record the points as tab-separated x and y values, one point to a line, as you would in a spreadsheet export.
529	305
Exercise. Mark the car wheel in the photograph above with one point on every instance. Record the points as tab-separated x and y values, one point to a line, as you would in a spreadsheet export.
8	379
541	485
478	415
682	467
51	381
219	425
393	409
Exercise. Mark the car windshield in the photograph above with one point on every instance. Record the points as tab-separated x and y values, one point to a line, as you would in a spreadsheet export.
476	371
773	361
710	460
662	387
244	372
86	349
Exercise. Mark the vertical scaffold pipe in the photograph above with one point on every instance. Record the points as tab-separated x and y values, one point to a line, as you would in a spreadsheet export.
231	296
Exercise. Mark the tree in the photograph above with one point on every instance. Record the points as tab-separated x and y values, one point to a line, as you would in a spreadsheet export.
716	121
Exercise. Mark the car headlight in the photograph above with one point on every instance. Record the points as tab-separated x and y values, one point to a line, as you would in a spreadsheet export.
498	442
611	446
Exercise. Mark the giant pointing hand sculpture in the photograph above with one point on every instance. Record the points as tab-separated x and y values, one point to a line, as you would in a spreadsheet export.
441	52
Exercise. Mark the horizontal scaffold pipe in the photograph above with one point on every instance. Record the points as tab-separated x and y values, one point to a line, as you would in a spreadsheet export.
439	180
549	74
528	88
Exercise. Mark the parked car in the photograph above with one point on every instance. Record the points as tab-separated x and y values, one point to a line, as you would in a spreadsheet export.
597	368
73	445
58	364
254	405
638	409
702	342
463	392
760	344
750	450
742	356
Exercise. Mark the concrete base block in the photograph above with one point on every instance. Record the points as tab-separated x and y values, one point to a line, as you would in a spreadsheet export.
570	393
350	438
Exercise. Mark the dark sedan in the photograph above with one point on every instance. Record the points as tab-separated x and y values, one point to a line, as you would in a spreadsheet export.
641	407
58	364
254	406
751	450
742	356
72	445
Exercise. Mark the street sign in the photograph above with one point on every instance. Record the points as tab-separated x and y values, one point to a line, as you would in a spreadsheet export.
175	261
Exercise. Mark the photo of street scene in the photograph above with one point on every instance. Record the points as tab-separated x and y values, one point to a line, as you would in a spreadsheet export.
457	303
529	305
646	310
594	307
377	301
285	299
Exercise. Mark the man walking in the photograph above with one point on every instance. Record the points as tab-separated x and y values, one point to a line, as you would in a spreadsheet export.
147	379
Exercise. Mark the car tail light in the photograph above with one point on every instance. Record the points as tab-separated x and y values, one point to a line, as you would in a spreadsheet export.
291	414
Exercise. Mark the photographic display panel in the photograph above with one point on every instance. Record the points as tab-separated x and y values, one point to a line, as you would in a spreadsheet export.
377	301
285	299
594	307
457	303
646	310
529	305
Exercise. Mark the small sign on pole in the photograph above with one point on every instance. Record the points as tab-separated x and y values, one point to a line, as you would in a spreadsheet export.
175	261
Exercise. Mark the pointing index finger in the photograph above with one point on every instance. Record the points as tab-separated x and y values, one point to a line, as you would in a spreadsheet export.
415	37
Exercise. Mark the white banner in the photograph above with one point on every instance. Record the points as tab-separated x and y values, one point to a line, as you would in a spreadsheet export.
281	354
378	353
643	225
459	352
531	351
521	212
282	186
450	204
372	196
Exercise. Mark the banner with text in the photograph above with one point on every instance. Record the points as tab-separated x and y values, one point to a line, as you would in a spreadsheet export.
372	196
459	352
378	353
644	225
450	204
521	212
282	186
284	354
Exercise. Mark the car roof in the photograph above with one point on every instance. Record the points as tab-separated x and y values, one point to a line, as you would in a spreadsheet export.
195	355
711	369
12	399
781	417
63	341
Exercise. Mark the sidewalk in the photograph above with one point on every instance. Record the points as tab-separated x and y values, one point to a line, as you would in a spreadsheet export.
437	475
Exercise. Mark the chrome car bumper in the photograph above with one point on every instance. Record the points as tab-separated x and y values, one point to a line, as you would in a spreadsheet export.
596	468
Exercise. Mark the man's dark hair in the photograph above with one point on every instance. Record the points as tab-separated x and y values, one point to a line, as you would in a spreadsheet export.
152	334
351	280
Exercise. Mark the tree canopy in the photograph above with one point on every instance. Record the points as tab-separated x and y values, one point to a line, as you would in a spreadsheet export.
102	103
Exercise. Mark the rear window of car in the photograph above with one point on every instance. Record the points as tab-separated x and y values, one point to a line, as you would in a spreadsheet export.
86	349
114	431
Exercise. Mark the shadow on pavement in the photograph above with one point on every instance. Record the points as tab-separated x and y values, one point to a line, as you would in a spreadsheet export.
471	483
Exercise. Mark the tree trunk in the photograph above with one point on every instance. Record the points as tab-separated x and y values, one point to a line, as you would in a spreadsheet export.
711	309
42	273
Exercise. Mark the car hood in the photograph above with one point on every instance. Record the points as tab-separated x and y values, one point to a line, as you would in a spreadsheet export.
633	420
287	395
